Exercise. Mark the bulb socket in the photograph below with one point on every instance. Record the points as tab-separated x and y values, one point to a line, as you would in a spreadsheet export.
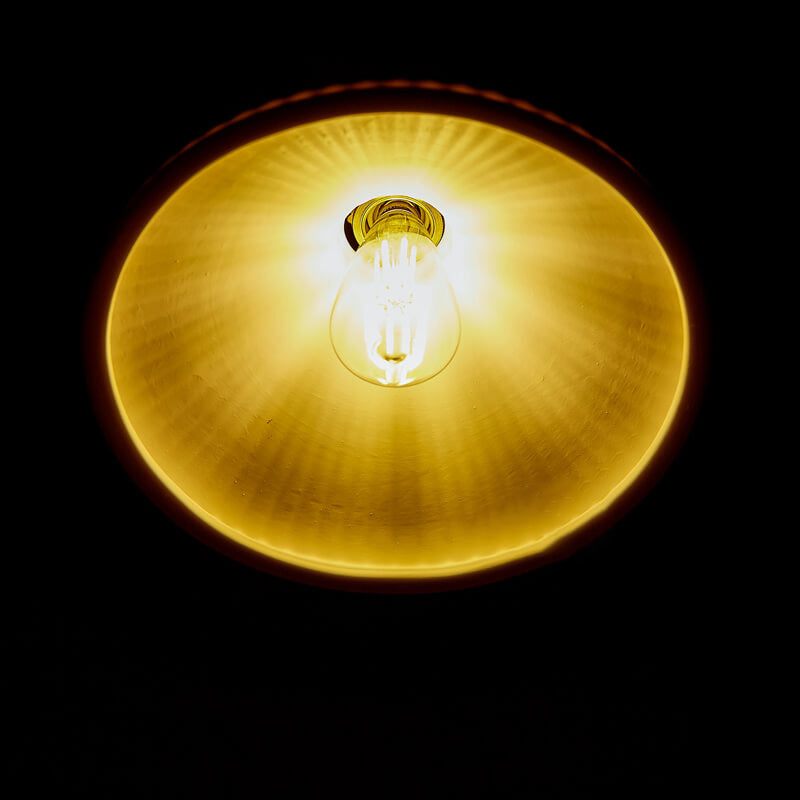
395	212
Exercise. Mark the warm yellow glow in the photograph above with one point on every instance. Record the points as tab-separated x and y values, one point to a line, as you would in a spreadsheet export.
571	365
395	321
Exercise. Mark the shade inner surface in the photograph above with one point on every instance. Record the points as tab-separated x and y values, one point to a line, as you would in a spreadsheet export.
571	365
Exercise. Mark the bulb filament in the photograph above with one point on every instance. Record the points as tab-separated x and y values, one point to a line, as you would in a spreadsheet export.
395	313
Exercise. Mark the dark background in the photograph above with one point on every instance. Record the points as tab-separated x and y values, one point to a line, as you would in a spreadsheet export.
155	666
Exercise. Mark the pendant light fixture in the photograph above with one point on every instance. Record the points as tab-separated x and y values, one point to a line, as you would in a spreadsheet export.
395	336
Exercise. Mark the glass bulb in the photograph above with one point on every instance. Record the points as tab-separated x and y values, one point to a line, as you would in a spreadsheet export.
395	321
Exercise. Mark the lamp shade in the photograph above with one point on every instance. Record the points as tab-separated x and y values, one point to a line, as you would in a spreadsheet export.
230	403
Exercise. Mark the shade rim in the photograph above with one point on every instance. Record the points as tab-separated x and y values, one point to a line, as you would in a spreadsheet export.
394	96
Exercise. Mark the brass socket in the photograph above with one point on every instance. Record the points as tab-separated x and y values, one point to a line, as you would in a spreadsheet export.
420	217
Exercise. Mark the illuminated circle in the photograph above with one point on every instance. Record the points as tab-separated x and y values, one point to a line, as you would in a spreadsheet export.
234	410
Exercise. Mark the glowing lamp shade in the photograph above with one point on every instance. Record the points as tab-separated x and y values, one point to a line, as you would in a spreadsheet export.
404	405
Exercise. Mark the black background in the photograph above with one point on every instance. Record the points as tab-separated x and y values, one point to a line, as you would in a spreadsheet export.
155	666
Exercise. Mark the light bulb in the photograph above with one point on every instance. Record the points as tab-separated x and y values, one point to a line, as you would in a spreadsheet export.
395	321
